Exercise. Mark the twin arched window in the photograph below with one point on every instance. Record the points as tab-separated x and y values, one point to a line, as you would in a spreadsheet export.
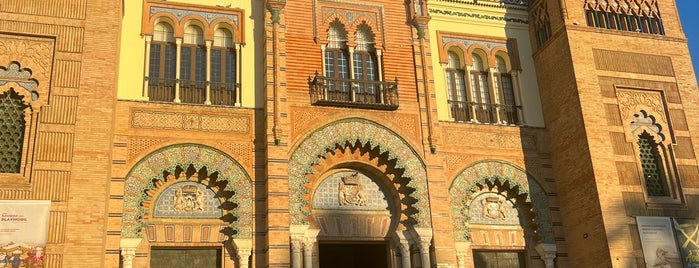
206	74
351	72
480	94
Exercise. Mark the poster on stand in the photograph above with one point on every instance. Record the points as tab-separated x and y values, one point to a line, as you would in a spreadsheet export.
23	231
658	242
688	239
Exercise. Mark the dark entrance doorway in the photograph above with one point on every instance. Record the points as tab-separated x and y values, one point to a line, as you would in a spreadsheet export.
367	255
185	258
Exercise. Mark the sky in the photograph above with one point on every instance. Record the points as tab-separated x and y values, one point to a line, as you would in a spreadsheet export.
690	24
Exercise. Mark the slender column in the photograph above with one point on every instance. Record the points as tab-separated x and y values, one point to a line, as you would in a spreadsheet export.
469	93
324	72
239	77
350	64
495	93
296	257
404	247
462	250
146	71
178	41
379	66
424	247
547	253
243	259
208	72
516	86
128	251
308	253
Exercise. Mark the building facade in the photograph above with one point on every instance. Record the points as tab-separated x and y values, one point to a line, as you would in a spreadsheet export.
326	133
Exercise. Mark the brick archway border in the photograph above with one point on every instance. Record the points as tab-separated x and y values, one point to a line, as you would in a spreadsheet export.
315	145
139	180
465	188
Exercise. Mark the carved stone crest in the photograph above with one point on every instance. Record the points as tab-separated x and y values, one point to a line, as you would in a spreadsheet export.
189	198
351	191
493	208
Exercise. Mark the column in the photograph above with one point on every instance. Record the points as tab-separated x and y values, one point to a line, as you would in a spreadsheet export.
547	253
350	64
462	250
495	94
324	72
178	41
379	67
404	248
239	76
296	257
516	86
208	72
146	71
424	238
308	253
469	93
128	248
243	248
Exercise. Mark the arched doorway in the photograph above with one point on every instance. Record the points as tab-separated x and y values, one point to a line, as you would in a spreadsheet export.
500	215
369	154
355	215
187	204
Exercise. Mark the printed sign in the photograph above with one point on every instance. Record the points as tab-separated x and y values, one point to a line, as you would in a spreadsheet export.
23	231
688	238
658	242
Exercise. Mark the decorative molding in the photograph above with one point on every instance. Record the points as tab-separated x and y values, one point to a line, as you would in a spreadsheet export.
189	121
181	13
501	177
626	7
478	16
313	147
631	62
140	182
633	101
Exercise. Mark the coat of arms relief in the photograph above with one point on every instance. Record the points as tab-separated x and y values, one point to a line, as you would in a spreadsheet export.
351	191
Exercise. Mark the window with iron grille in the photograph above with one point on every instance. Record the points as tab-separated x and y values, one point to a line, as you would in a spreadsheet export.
12	130
652	165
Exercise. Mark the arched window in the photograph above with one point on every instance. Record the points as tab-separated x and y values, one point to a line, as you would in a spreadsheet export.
12	130
364	64
508	109
223	68
162	64
193	65
456	89
652	165
481	90
336	63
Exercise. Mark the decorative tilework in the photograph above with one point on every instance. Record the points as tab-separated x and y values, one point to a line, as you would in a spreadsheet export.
181	13
21	76
468	43
315	145
139	180
477	16
165	204
326	195
509	178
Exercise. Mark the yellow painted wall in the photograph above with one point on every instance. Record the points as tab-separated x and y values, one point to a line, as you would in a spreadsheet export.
493	28
132	50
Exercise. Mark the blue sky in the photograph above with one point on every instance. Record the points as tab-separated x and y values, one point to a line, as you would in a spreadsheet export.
690	24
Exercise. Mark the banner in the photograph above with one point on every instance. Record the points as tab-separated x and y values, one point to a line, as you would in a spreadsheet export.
688	238
23	230
658	242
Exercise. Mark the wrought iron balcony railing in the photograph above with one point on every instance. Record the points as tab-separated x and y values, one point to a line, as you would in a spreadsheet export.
463	111
342	92
193	91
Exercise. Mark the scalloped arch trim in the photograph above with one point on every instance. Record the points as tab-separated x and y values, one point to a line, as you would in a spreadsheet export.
168	158
325	138
468	183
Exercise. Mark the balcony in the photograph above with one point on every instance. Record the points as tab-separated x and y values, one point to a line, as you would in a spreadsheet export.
342	92
485	113
193	91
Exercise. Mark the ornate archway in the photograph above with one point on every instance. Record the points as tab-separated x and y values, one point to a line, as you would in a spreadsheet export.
362	133
505	177
200	164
